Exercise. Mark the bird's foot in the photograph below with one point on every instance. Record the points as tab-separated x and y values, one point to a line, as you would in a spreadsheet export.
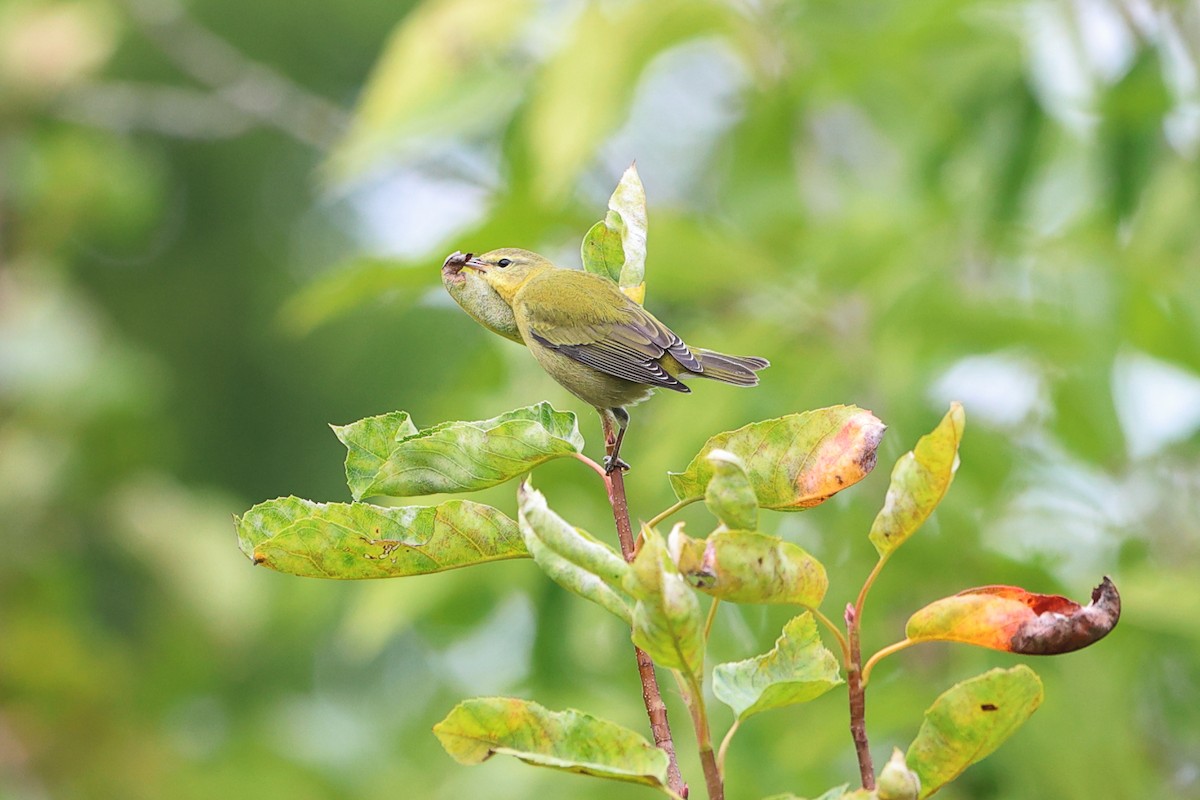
611	465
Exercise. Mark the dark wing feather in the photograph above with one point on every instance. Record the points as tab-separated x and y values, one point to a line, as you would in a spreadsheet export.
629	346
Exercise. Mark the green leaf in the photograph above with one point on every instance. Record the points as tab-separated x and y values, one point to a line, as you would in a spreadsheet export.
969	721
797	669
667	622
919	482
357	540
793	462
570	740
729	495
750	567
615	247
387	455
571	557
447	68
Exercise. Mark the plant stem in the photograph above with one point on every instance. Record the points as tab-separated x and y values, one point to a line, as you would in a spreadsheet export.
599	470
866	587
656	709
712	616
687	501
693	695
858	700
725	745
620	507
882	654
856	679
837	634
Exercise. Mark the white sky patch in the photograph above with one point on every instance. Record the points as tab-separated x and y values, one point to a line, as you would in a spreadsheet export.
412	210
687	98
1182	124
1003	389
1107	41
1158	404
1059	74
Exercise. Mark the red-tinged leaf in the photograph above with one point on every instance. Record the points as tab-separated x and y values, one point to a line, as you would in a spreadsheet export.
793	462
1011	619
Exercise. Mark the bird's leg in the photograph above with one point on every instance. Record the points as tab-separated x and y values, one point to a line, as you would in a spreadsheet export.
612	443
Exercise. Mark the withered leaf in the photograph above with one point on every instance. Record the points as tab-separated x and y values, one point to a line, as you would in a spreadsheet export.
1012	619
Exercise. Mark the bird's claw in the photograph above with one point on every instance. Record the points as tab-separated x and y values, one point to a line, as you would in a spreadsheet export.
611	465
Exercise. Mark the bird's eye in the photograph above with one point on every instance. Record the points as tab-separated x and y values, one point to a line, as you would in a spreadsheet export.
504	262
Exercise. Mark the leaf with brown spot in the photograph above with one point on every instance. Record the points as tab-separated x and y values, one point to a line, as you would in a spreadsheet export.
570	740
749	567
793	462
958	731
359	540
1012	619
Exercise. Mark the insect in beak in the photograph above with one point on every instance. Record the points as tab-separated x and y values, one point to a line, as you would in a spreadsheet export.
477	264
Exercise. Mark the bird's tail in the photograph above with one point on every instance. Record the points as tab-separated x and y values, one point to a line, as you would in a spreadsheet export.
738	370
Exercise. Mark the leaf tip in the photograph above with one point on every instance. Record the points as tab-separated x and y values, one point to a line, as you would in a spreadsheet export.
722	456
1053	632
525	489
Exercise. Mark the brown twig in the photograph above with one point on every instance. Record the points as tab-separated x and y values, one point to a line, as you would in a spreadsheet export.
656	709
858	701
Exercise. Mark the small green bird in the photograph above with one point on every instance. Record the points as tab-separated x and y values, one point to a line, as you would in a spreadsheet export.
600	345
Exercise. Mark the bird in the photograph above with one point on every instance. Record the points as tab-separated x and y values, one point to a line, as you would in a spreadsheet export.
596	342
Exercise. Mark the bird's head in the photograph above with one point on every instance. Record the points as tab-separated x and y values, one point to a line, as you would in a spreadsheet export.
506	270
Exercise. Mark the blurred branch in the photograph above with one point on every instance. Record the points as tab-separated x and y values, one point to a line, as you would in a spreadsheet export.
255	90
170	110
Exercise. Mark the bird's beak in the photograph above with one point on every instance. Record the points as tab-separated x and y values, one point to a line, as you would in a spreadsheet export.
476	264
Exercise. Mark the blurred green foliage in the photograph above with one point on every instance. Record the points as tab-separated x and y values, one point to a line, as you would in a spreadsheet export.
206	255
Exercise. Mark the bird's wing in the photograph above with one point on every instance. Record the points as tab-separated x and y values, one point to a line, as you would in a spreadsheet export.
623	340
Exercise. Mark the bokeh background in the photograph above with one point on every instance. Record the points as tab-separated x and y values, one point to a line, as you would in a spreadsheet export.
221	225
